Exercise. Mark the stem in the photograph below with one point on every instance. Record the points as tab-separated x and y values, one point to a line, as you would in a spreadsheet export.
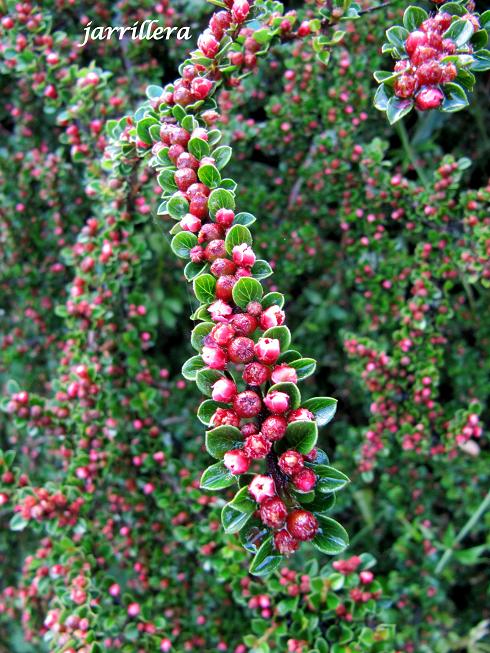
405	140
463	532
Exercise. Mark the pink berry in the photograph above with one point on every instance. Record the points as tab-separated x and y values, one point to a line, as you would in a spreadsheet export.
291	462
277	402
214	357
224	390
236	461
273	512
262	487
247	404
267	350
304	480
272	317
429	98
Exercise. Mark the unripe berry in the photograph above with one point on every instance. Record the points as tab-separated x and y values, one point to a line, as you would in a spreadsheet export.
236	461
254	308
214	357
301	415
274	427
243	255
273	512
215	249
284	374
291	462
256	446
262	487
200	87
272	317
241	350
305	480
429	98
277	402
302	525
208	44
239	10
285	543
225	217
222	334
267	350
223	390
247	404
256	373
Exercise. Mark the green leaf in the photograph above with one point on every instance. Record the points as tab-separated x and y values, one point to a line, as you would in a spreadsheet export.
193	270
291	390
221	439
329	478
381	98
207	409
204	288
281	333
166	180
205	379
331	538
302	436
397	36
18	523
154	92
304	367
261	269
481	61
237	235
182	243
273	299
266	560
220	199
238	511
460	31
323	408
222	155
289	356
455	98
216	477
143	129
198	148
177	206
244	219
246	290
199	332
322	503
191	367
209	175
414	17
397	108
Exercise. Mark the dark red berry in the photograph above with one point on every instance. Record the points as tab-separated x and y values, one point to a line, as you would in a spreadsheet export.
241	350
247	404
273	512
256	373
302	525
274	427
285	543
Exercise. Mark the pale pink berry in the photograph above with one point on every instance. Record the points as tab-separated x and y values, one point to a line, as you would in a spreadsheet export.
267	350
277	402
262	487
224	390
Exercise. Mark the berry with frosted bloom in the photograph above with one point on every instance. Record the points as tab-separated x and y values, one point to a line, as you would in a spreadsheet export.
224	287
243	255
224	390
267	350
274	427
220	311
244	324
257	447
214	357
273	512
215	249
284	374
239	10
208	44
429	98
277	401
222	266
291	462
222	334
305	480
241	350
256	373
285	543
301	415
262	487
236	461
201	87
225	417
225	217
302	525
249	428
190	223
247	404
272	317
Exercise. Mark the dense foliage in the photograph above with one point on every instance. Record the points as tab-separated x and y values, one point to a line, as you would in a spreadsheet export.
379	241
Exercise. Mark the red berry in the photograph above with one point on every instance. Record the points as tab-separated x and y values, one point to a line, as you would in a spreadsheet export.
215	249
271	317
224	287
256	446
241	350
243	255
291	462
223	390
214	357
184	178
225	217
256	373
429	73
277	402
201	87
302	525
414	40
285	543
223	416
273	512
274	427
304	480
222	334
267	350
199	206
244	323
236	461
222	266
301	414
429	98
405	86
247	404
210	232
249	428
